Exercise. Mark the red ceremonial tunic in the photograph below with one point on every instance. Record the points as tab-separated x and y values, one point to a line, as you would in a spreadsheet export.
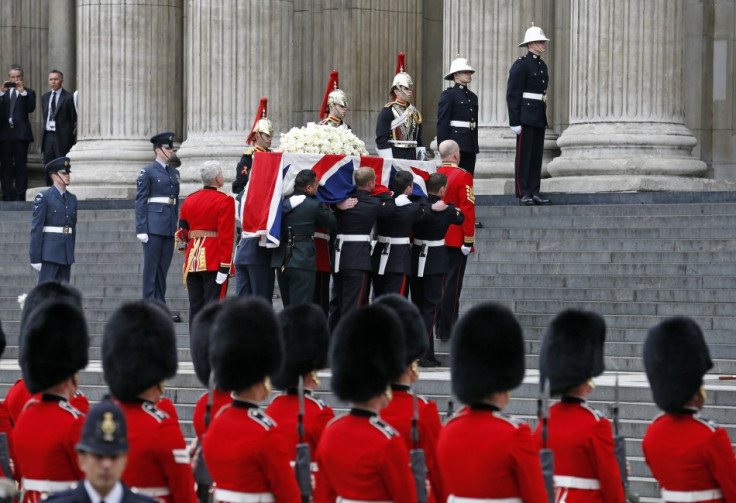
322	247
44	441
582	441
219	400
460	193
246	453
284	409
18	395
688	453
484	454
400	413
158	458
360	457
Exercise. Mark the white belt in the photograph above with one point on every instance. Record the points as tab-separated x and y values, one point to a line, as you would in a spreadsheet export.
388	241
238	497
58	230
535	96
425	243
151	492
47	486
576	482
164	200
678	496
467	124
457	499
346	500
322	235
347	238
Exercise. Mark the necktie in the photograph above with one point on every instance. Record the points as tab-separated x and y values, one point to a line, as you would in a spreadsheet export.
13	95
53	105
63	196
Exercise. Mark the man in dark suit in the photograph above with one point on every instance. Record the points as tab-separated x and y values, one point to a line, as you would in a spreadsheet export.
60	120
102	456
16	102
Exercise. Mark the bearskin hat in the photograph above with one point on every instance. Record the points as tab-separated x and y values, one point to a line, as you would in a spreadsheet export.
306	340
367	353
487	353
246	344
55	344
572	349
415	334
199	340
48	290
138	348
676	358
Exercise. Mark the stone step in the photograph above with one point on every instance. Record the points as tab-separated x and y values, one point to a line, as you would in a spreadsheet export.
531	218
476	267
633	281
634	210
604	257
674	296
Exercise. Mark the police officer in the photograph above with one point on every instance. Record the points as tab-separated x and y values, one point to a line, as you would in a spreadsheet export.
457	113
483	453
690	456
138	354
102	456
580	436
54	350
259	138
399	124
157	216
335	104
246	453
54	225
361	457
526	97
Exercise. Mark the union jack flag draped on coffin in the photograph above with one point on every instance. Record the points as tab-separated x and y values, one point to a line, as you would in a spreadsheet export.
273	173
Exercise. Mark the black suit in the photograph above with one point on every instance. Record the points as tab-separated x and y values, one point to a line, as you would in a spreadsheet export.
79	495
58	143
14	143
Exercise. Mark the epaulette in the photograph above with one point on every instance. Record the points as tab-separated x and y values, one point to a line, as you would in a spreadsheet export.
71	409
388	104
707	422
154	412
383	427
249	151
511	420
261	418
598	415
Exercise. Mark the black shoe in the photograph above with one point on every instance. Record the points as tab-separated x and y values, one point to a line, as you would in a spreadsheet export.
526	201
478	225
429	363
539	201
175	318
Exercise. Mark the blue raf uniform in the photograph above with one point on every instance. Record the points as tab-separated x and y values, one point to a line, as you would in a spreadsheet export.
157	215
457	119
53	228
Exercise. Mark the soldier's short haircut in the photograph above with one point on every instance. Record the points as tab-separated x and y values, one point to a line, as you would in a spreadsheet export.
363	176
15	67
435	182
57	71
209	171
401	181
305	177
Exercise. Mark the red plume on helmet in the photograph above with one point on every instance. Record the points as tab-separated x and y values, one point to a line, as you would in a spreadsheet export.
334	83
261	114
400	66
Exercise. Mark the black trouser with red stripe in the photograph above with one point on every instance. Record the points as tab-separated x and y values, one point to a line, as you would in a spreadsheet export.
426	294
450	305
351	290
528	164
390	282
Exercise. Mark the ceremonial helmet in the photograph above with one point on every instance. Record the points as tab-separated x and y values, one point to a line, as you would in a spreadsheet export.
261	124
534	34
458	65
333	95
401	78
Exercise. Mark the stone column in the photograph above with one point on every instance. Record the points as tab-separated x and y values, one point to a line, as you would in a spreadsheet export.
236	53
627	127
129	64
62	37
487	33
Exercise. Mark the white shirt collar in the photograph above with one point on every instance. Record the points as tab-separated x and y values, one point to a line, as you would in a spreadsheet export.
114	496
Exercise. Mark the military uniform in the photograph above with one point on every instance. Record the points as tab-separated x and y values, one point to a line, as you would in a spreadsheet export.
207	229
429	264
53	234
219	400
80	495
242	170
484	454
459	193
322	244
157	214
284	409
294	259
527	106
399	122
333	121
457	119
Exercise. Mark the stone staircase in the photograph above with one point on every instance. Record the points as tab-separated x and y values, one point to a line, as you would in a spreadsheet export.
635	258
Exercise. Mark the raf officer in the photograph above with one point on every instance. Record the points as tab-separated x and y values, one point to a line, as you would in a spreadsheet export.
156	216
53	228
457	113
526	96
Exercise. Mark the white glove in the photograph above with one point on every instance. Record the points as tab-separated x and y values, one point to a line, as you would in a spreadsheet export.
221	277
402	200
296	201
516	129
37	267
143	238
385	153
421	153
465	249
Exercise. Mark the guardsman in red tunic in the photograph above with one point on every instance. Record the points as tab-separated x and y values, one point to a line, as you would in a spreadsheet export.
459	239
246	453
55	344
400	411
360	457
690	456
138	354
306	338
206	234
581	438
483	454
